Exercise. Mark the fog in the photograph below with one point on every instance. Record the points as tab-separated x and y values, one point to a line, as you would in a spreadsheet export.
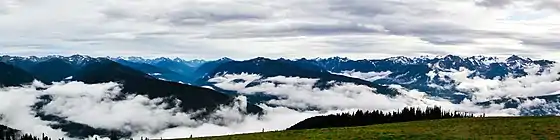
96	105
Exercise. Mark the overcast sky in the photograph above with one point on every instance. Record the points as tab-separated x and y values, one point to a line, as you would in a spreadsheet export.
243	29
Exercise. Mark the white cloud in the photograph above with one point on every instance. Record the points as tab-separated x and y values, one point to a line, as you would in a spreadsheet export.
97	105
290	28
16	112
531	85
345	96
484	89
84	104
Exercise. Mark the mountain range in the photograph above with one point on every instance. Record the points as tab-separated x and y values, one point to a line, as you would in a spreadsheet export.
186	80
411	73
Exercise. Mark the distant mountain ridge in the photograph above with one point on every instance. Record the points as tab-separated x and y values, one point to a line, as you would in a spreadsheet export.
413	73
192	63
409	72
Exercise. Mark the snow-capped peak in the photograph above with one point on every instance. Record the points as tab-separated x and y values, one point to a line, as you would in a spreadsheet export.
400	59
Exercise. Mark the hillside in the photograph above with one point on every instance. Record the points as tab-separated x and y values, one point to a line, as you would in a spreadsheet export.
134	81
157	72
205	70
13	76
53	70
471	128
8	132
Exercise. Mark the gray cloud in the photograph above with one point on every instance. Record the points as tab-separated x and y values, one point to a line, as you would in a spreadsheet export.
548	42
537	4
302	29
494	3
182	13
370	8
212	29
548	4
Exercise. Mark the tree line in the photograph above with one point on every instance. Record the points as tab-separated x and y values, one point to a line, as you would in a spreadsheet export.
12	134
7	133
362	118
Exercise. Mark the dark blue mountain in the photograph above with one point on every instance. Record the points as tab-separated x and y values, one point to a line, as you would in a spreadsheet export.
489	67
272	68
13	76
49	69
195	63
183	67
137	82
412	73
205	70
25	63
178	65
161	73
53	70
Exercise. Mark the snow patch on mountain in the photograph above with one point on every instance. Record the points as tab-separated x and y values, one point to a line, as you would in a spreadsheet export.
369	76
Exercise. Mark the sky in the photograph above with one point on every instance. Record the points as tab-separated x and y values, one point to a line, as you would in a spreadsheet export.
242	29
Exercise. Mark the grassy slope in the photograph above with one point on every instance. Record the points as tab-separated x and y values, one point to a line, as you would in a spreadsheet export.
473	128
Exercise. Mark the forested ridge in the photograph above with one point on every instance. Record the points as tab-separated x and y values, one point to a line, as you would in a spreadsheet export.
362	118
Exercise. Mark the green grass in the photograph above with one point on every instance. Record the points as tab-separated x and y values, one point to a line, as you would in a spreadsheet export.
522	128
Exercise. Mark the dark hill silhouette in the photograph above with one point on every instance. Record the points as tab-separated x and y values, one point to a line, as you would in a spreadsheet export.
362	118
53	70
13	76
7	133
134	81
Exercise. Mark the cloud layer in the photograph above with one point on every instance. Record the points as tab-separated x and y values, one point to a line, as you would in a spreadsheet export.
248	28
299	93
104	106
